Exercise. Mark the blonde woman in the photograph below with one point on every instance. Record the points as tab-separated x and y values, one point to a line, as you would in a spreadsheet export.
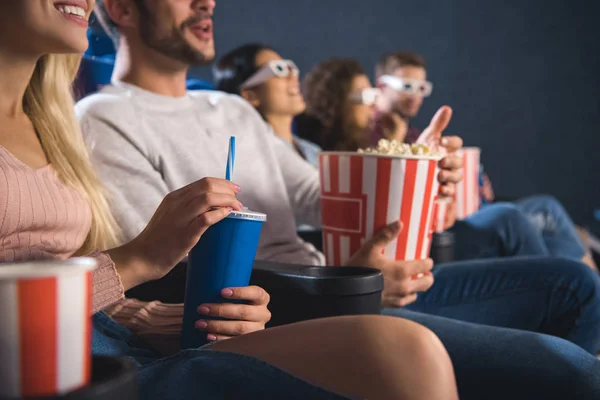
52	206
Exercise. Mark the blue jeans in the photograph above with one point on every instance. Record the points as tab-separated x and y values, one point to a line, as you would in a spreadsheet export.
472	304
499	363
554	296
551	219
536	226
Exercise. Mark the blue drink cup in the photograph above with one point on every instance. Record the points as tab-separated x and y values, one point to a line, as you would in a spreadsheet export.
222	258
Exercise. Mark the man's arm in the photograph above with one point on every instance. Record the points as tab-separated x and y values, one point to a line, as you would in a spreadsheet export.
135	187
302	183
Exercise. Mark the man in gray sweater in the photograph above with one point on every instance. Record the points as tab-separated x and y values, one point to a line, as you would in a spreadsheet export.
148	136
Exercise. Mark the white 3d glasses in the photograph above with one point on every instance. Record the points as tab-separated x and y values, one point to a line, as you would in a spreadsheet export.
409	86
367	96
280	68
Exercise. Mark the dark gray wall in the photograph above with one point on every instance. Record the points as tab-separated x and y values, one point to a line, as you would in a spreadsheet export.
521	75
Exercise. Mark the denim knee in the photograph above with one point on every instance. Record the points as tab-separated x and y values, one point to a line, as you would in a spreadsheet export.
581	280
545	202
579	272
509	214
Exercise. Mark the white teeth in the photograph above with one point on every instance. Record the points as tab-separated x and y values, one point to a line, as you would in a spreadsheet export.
72	10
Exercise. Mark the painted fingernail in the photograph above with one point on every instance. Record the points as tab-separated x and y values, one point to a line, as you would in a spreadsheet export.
227	292
204	310
237	188
201	324
211	338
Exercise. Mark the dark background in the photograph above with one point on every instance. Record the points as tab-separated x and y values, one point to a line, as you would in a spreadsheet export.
521	75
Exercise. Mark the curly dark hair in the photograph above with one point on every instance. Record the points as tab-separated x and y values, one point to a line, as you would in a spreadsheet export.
326	89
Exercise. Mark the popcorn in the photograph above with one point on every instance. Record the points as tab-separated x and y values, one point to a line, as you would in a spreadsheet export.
396	148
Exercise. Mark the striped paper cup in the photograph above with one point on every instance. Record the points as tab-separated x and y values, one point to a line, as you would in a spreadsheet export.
441	207
467	195
362	193
45	327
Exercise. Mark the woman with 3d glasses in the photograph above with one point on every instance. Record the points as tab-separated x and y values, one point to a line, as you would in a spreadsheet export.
340	106
260	75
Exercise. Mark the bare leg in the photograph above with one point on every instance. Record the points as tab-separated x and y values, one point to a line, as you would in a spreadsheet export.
370	357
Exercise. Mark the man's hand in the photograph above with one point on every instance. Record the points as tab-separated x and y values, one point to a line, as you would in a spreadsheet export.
393	127
402	279
451	164
241	318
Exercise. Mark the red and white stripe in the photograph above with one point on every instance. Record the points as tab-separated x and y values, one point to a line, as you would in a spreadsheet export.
362	193
440	214
467	195
45	331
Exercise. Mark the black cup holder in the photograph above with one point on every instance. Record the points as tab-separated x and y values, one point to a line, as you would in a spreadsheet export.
336	272
301	293
442	247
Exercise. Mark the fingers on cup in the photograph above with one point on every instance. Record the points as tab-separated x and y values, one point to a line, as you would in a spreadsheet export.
213	200
440	120
215	185
383	236
254	294
238	312
447	190
214	338
408	269
228	328
210	218
451	162
447	176
452	143
422	284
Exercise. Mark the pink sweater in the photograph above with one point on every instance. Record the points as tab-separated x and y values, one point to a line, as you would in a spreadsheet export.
41	218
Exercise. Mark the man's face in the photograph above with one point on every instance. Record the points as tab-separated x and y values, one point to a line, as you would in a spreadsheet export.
178	29
408	105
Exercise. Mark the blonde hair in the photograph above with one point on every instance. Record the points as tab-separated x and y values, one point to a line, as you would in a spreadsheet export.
50	105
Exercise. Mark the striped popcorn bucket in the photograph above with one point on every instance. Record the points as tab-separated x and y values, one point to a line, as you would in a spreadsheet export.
441	207
362	193
45	327
467	195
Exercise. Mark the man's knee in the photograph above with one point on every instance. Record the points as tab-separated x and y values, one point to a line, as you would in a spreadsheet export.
578	275
543	203
545	200
508	214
